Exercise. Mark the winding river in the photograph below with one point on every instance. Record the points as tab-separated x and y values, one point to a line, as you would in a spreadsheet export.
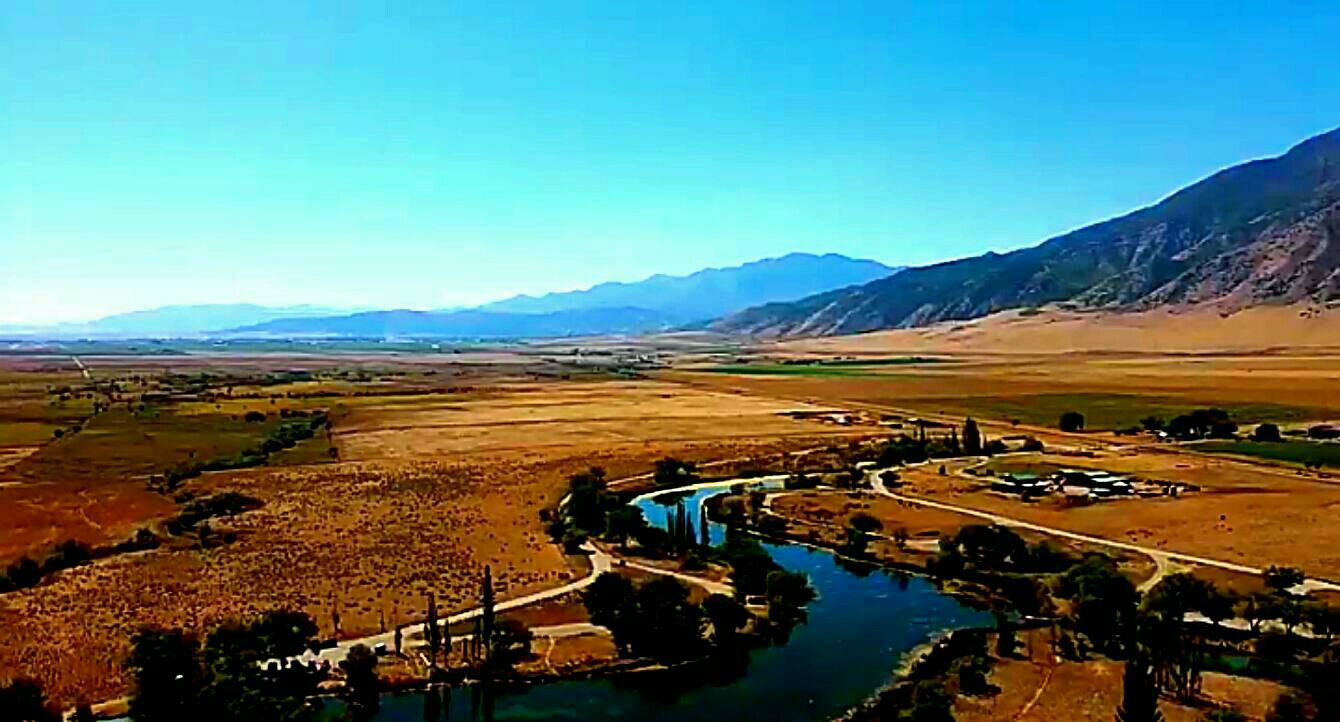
862	622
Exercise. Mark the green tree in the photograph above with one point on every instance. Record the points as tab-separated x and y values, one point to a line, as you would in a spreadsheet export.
166	671
1267	432
362	687
1282	579
1104	600
670	471
789	589
611	602
1071	421
486	616
1139	691
430	631
624	523
510	643
972	438
726	614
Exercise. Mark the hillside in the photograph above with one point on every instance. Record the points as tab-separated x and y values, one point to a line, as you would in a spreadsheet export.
1267	231
712	292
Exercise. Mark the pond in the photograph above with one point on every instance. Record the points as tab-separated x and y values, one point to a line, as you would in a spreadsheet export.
862	622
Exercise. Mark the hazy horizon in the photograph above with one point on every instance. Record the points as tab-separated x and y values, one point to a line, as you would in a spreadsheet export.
429	157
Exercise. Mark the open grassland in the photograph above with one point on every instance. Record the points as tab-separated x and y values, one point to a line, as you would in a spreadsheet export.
436	465
433	477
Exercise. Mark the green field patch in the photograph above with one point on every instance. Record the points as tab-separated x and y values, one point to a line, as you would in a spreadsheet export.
1292	452
1104	411
121	444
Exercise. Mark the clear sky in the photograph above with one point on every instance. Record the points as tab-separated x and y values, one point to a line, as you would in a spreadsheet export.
428	154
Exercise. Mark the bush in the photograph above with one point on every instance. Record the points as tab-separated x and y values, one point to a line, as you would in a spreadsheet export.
1267	432
1071	421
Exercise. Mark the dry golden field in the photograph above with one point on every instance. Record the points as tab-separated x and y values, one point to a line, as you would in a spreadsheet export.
429	485
435	465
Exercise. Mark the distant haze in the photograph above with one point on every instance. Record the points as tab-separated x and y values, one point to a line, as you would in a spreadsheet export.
660	302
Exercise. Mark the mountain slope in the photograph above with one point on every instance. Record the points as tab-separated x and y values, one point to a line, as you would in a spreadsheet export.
1264	231
712	292
465	324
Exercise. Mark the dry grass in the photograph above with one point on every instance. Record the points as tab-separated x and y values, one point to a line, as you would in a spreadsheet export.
1037	687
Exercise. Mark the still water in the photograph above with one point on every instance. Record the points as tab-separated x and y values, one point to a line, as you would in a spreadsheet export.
861	623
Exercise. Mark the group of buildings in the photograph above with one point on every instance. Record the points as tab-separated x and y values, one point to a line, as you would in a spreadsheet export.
1082	484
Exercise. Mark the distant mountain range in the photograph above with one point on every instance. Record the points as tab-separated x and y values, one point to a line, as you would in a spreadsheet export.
658	303
173	321
1267	231
712	292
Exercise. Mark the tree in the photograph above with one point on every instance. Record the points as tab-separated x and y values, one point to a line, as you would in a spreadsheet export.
1282	579
865	522
1152	423
1175	653
1005	638
283	633
430	632
486	616
624	523
727	616
1104	600
1267	432
361	685
22	700
669	627
789	589
166	669
972	438
1139	692
587	501
510	642
670	471
611	602
1071	421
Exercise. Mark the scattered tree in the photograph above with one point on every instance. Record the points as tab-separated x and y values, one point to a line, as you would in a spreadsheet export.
972	438
1071	421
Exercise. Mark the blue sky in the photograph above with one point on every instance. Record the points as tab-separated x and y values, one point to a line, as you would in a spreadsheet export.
440	153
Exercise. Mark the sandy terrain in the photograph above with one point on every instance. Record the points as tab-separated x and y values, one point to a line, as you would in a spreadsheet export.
1199	330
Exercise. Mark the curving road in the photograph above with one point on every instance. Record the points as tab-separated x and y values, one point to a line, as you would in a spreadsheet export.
1163	558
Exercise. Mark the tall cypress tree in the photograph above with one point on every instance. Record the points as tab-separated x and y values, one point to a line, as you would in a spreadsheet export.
972	438
430	630
1139	691
486	618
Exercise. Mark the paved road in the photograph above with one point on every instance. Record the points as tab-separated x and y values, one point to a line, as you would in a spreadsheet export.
1161	557
600	563
82	368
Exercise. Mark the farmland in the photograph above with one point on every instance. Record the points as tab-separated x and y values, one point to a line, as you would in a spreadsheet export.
426	467
1291	452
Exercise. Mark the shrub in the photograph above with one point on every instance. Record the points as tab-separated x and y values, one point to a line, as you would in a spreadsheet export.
1071	421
